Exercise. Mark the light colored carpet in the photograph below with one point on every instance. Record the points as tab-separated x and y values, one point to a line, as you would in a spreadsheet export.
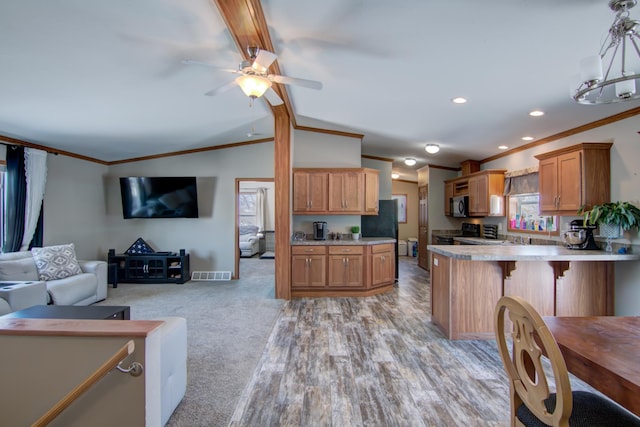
228	325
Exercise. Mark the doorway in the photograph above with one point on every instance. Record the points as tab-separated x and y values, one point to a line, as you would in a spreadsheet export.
254	225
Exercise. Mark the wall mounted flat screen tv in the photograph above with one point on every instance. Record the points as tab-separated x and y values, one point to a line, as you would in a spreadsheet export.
159	197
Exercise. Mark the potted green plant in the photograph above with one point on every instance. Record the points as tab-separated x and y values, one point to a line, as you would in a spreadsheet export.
611	217
355	232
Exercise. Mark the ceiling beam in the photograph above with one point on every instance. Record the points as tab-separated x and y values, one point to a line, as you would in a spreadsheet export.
248	26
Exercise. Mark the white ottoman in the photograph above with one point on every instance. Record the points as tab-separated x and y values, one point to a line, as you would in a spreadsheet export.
173	364
21	295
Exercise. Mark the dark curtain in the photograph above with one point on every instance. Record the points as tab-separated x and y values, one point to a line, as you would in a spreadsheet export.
16	191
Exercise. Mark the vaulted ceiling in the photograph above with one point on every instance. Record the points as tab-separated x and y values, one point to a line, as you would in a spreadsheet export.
106	79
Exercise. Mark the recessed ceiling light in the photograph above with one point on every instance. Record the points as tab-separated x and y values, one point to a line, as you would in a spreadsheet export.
432	148
527	138
409	161
502	147
395	175
536	113
459	100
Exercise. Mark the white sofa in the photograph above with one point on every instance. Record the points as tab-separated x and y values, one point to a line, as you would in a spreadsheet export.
81	289
249	240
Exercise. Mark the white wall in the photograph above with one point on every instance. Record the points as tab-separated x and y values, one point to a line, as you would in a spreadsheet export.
209	239
75	206
625	185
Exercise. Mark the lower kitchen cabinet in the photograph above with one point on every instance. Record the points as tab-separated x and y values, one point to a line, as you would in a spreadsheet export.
345	266
308	266
342	270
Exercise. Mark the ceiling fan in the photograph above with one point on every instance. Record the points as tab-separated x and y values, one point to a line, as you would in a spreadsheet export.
254	80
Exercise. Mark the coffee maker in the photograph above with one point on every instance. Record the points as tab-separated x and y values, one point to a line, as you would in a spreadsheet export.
320	230
580	236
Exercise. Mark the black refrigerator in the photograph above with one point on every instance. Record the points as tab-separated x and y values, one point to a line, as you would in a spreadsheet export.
385	224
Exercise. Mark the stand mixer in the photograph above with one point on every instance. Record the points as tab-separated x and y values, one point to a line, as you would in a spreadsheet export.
580	236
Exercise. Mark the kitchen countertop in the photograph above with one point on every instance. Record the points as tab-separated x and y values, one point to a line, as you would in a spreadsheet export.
364	241
479	241
511	252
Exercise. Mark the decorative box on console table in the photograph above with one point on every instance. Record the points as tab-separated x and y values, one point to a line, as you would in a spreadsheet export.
156	267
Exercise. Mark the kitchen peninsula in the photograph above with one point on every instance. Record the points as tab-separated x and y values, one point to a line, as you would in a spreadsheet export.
331	268
467	281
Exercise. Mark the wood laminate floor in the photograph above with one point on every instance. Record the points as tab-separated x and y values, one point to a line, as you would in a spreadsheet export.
374	361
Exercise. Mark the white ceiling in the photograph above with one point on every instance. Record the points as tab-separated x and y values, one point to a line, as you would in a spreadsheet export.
105	79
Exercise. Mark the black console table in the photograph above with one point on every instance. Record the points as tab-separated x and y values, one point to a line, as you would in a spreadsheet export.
157	267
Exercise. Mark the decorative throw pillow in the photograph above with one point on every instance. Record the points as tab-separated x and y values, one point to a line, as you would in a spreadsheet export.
56	262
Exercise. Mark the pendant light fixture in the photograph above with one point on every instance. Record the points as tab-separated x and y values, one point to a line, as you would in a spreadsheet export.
620	54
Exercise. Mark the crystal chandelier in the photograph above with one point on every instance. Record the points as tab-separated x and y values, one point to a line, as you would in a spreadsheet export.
618	84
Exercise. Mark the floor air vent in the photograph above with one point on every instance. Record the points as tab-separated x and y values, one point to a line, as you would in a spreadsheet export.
211	275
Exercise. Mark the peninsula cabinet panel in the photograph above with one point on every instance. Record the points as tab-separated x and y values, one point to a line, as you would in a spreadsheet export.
346	192
440	299
310	192
533	281
586	289
574	176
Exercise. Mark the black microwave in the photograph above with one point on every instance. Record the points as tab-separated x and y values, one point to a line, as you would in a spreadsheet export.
459	206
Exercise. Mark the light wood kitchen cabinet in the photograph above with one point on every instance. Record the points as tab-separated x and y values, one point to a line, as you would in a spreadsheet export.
479	186
448	194
346	191
342	270
574	176
345	266
308	267
371	191
383	264
310	193
342	191
482	186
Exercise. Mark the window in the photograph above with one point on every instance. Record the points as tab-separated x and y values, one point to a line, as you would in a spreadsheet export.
247	208
523	215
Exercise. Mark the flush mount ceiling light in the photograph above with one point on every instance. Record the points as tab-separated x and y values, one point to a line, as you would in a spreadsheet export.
502	147
536	113
618	84
432	148
459	100
409	161
527	138
395	175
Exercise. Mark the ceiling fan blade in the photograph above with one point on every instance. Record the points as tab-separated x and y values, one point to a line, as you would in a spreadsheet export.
273	97
206	64
221	89
311	84
263	60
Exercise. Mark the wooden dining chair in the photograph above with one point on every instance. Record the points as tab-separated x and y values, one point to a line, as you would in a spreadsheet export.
532	400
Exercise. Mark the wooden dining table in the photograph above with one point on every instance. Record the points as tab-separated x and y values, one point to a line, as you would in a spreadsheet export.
604	352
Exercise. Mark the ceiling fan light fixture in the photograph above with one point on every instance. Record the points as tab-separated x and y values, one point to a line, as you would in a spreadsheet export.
409	161
253	86
606	78
432	148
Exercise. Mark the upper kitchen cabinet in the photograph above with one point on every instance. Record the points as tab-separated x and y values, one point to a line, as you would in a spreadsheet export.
574	176
371	191
335	191
346	192
479	186
310	191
